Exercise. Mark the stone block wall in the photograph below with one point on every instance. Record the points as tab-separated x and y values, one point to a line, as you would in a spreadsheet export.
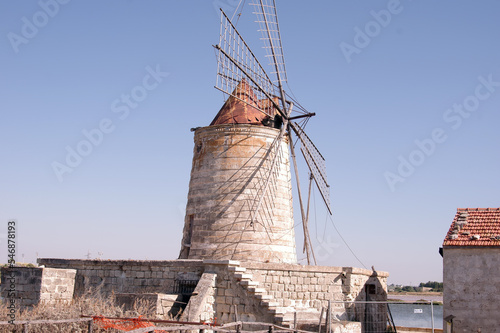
360	287
57	285
129	276
32	285
232	301
312	286
300	286
24	282
230	290
291	288
356	280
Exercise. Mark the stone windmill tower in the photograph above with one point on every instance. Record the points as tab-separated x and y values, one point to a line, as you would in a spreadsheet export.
231	163
240	193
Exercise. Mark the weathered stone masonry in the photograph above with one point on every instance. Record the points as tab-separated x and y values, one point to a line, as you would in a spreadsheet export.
128	276
231	164
257	291
35	284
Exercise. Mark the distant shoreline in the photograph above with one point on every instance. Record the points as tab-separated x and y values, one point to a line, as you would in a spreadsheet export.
424	293
416	296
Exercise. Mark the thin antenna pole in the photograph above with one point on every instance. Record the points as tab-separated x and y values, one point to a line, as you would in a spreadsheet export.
309	196
307	217
304	224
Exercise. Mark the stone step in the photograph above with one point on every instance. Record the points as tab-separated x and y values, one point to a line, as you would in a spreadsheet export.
270	304
221	262
280	320
243	276
249	283
277	310
233	263
264	297
256	290
236	269
303	316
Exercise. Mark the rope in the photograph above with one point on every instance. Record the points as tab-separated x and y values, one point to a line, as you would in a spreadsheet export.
355	256
239	15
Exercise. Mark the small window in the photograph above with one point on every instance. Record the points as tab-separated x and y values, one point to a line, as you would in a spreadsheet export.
371	289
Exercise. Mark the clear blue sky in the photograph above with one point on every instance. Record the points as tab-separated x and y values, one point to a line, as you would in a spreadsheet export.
424	71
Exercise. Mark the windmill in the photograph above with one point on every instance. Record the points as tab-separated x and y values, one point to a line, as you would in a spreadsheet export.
241	77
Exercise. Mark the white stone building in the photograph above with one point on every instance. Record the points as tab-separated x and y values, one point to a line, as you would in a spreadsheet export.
471	271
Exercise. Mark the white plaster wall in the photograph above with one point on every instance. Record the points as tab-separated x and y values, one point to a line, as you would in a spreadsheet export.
472	288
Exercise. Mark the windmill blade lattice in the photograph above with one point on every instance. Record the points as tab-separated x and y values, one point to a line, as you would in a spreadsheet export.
263	202
267	17
316	163
236	62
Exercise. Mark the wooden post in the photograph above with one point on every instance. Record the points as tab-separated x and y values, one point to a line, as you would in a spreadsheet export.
235	312
25	328
329	318
432	315
295	321
91	325
320	319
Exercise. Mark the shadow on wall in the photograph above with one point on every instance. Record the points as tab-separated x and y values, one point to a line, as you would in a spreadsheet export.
373	316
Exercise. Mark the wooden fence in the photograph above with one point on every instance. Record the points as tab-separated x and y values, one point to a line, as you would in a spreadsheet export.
236	327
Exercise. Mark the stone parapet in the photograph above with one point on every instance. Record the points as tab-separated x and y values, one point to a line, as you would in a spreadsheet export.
129	276
31	285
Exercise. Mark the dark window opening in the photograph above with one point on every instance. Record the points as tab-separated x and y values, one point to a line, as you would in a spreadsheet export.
371	289
184	286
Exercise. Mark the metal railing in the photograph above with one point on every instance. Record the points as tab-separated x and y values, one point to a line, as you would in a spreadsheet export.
391	316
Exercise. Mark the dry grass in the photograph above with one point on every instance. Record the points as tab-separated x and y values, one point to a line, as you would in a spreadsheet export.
93	303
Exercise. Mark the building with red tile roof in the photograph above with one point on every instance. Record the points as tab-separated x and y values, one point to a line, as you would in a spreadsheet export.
471	271
474	227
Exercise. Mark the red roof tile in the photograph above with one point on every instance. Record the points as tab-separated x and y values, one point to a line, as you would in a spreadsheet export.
474	227
243	107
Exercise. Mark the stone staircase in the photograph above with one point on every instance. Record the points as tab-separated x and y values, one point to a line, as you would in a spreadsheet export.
266	300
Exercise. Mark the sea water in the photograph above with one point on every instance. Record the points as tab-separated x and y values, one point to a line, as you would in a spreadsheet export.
416	315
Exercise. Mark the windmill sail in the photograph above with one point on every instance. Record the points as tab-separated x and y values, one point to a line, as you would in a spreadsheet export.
267	17
256	99
237	63
316	163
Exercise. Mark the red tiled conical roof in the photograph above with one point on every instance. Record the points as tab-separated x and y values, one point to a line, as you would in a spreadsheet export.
242	107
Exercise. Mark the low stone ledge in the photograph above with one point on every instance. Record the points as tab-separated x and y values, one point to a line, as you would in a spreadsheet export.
367	272
293	267
221	262
50	262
